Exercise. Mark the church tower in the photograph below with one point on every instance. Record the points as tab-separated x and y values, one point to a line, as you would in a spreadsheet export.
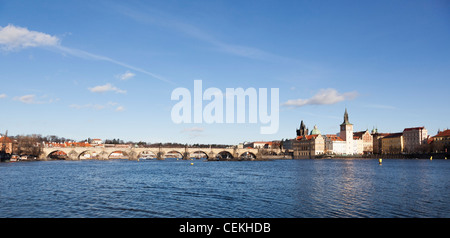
302	131
346	133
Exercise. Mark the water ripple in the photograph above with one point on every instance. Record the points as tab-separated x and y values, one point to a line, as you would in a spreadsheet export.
289	188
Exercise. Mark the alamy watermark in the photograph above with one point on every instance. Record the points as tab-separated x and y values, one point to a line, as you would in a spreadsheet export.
215	112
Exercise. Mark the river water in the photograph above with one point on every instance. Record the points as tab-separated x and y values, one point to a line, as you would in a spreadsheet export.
239	189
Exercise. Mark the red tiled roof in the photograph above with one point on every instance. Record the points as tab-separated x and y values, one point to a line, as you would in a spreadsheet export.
5	140
382	134
443	134
334	138
393	135
68	144
359	134
414	128
308	137
263	142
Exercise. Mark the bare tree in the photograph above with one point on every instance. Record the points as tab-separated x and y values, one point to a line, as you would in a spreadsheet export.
28	145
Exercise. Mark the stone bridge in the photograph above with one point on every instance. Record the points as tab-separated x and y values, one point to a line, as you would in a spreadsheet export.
132	153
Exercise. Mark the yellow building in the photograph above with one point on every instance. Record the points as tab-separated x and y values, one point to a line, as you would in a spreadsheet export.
308	147
441	141
392	144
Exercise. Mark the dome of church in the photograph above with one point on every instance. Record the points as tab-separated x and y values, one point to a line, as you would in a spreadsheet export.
374	131
315	131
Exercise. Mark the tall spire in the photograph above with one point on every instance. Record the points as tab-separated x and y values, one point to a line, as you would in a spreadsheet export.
346	116
346	122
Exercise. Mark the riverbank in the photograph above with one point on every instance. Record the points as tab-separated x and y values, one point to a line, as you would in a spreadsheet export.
409	156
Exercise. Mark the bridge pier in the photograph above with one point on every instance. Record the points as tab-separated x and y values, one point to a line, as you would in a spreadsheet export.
132	155
160	156
103	155
72	155
186	156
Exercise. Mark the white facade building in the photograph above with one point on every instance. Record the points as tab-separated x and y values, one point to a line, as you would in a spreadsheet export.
413	138
344	142
346	135
358	147
334	145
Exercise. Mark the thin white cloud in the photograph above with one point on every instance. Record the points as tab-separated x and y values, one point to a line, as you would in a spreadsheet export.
90	56
3	96
323	97
193	132
155	17
16	38
193	129
28	99
120	109
33	99
127	75
243	51
110	105
106	88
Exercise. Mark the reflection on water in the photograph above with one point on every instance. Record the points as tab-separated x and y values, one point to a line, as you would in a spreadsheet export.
285	188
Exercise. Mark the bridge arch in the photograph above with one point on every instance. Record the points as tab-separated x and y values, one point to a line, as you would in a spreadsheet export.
199	154
118	154
224	155
173	154
58	155
247	156
87	154
147	154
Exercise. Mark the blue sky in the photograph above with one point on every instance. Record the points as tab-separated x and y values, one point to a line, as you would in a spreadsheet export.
106	69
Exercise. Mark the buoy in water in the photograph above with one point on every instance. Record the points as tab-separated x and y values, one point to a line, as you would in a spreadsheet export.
192	163
380	161
431	158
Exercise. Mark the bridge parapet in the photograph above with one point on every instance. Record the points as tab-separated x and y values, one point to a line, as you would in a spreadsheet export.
104	153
